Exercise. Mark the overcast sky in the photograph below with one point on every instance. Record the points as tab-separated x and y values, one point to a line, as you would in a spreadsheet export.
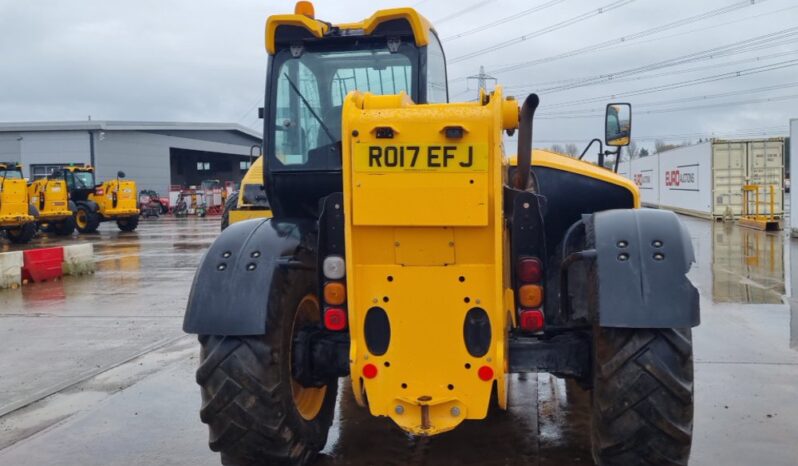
200	60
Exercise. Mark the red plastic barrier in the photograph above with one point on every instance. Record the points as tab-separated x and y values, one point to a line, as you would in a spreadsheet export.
42	264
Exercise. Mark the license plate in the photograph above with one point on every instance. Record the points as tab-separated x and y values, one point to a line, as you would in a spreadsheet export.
420	157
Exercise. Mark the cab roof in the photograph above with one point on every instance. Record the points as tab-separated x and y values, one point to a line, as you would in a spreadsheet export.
12	165
282	30
79	168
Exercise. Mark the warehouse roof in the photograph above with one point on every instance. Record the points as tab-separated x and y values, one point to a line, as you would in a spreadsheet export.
110	125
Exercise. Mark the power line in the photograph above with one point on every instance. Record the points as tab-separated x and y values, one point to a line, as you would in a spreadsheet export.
600	111
506	19
540	32
678	109
627	38
463	11
775	39
686	83
647	75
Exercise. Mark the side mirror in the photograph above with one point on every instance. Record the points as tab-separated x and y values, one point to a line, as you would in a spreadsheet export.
618	125
120	174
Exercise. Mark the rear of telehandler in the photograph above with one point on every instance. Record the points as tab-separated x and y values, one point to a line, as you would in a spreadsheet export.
113	199
51	199
17	216
406	253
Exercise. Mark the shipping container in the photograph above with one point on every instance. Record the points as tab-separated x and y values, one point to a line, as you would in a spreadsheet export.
706	179
793	141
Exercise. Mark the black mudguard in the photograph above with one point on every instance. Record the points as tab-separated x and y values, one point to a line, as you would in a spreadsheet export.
72	207
91	205
232	284
642	258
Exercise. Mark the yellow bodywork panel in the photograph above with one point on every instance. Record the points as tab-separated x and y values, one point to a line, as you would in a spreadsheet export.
51	199
243	210
426	243
241	215
14	202
118	199
544	158
318	29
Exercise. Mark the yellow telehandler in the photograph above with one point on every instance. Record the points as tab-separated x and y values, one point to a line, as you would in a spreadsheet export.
110	200
408	254
50	197
250	200
17	216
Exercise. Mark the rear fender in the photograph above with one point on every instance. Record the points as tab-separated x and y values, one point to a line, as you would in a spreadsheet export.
231	288
642	258
91	205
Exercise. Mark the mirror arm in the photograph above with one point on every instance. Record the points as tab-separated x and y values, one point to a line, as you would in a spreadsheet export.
601	148
617	159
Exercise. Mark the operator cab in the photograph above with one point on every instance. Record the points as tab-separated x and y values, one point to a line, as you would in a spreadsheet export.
79	180
313	65
11	171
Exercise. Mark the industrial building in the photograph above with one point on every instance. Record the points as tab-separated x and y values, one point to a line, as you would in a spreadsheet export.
156	155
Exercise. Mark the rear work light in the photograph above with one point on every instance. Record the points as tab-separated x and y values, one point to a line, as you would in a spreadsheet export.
335	319
334	267
530	270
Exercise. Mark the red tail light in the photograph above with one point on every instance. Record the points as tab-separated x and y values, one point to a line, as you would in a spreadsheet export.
335	319
369	371
99	191
532	320
485	373
530	270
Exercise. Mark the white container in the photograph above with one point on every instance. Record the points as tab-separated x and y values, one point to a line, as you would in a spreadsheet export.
645	174
707	179
78	259
685	180
10	269
793	178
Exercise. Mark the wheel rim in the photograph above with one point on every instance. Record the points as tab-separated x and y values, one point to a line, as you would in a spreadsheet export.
81	219
307	400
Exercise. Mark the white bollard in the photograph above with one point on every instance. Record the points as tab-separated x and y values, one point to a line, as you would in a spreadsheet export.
10	269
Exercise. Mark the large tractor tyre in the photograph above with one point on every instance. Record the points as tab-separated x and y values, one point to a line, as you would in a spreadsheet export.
229	205
256	412
23	234
128	223
86	220
642	396
65	227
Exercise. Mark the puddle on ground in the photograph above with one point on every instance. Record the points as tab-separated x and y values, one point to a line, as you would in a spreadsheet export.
747	265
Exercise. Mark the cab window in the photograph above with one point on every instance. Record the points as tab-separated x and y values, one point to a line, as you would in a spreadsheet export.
436	72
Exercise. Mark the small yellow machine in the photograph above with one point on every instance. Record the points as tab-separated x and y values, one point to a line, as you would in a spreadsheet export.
50	197
250	200
113	199
407	253
17	216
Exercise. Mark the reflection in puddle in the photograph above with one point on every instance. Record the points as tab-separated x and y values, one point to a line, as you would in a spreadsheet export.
747	265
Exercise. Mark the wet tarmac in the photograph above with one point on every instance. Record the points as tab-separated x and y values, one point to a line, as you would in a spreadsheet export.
96	371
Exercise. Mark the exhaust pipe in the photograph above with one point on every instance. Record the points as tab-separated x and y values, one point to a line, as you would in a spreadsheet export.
524	158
